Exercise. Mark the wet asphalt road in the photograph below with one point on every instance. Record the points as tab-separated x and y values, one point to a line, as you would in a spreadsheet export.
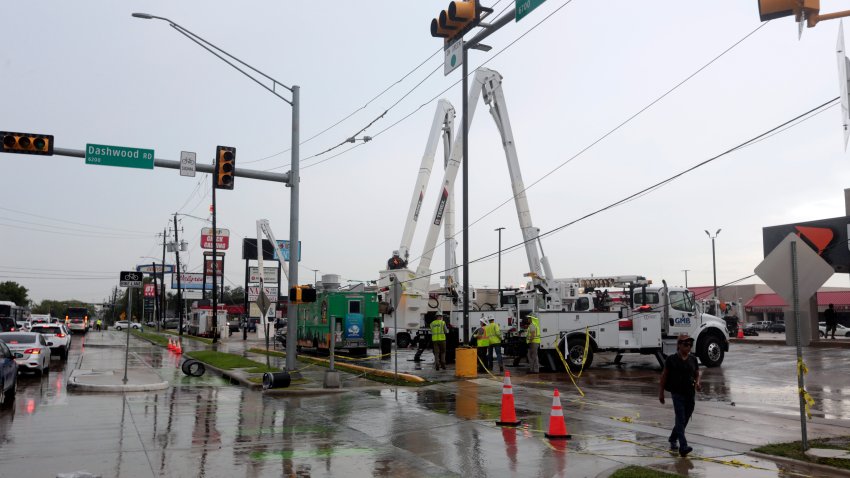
208	427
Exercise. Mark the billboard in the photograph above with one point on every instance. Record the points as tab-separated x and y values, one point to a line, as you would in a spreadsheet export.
827	237
191	281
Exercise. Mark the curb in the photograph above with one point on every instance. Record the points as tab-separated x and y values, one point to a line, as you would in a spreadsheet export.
88	387
305	392
819	344
792	461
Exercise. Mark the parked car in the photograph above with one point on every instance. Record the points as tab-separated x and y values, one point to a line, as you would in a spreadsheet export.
8	375
32	350
840	330
58	335
762	324
777	327
750	330
122	324
171	324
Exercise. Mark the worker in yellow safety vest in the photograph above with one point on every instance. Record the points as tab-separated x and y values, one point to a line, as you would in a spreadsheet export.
438	338
482	341
494	334
533	339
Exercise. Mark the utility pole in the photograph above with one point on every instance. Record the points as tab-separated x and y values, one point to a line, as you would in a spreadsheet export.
499	283
162	286
686	277
114	294
214	266
179	288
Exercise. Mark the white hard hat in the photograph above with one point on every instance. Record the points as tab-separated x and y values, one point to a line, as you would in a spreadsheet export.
395	253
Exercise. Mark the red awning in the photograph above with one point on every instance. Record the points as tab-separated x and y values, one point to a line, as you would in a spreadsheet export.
774	303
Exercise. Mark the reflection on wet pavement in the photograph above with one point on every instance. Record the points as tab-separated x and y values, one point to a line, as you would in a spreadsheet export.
208	427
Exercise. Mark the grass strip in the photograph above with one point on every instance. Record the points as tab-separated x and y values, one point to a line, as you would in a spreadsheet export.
340	367
191	337
641	472
226	361
153	337
794	450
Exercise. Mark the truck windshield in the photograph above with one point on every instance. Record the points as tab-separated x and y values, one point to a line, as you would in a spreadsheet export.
682	300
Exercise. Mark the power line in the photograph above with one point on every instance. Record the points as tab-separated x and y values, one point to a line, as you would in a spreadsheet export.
70	222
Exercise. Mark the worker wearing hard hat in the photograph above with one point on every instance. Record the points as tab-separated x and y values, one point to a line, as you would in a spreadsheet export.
483	344
396	262
494	334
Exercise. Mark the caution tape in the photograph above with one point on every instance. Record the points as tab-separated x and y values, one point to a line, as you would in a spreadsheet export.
807	399
573	378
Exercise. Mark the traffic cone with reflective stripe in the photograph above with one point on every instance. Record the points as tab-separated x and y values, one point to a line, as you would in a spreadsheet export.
557	426
178	349
740	332
170	344
508	417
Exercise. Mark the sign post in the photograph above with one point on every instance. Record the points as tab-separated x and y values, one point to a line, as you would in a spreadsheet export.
795	272
130	280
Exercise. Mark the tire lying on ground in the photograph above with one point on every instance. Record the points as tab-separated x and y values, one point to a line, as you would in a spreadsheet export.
193	368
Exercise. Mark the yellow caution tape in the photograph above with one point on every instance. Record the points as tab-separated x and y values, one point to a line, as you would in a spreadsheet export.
801	366
809	401
573	378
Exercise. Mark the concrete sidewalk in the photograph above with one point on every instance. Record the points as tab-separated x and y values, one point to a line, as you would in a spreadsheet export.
96	372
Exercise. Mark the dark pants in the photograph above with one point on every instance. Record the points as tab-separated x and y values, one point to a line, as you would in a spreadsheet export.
683	405
831	325
440	354
498	349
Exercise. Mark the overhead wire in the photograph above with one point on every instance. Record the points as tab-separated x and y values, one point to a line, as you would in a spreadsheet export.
604	136
71	222
667	180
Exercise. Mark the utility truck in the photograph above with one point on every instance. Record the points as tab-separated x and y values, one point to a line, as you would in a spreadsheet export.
578	317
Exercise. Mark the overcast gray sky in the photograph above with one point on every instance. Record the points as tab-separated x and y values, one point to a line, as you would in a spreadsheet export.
87	72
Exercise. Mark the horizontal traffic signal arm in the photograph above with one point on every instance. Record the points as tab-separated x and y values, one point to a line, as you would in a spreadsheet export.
26	143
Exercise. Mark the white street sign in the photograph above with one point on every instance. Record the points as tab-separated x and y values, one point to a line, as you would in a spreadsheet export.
187	163
454	56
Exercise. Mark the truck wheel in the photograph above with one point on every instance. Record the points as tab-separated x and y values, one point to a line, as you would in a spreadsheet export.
575	352
711	352
403	341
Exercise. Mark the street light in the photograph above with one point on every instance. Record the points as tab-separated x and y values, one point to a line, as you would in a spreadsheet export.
294	178
499	283
686	277
713	259
315	271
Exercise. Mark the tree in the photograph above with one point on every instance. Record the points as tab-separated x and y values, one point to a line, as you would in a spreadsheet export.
14	292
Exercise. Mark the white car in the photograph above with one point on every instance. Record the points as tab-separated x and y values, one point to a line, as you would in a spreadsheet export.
58	335
31	350
122	324
840	330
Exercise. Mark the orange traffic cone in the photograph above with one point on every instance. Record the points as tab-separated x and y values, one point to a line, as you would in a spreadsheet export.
178	349
557	426
740	332
170	344
508	417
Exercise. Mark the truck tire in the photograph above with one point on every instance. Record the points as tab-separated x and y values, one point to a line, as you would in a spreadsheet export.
403	340
574	353
710	351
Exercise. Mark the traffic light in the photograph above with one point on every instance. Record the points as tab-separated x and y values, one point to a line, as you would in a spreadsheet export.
302	294
455	21
225	166
27	143
770	9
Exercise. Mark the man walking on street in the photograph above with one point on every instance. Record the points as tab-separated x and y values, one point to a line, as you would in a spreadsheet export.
831	321
438	338
681	378
533	339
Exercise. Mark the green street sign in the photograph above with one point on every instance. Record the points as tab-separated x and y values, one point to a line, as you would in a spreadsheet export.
120	156
524	7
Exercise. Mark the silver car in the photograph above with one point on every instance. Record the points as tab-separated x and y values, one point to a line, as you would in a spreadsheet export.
31	350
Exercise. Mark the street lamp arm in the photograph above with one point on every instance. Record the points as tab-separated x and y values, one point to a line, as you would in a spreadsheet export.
206	46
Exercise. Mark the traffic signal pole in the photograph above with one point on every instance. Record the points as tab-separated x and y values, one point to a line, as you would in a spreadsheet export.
201	168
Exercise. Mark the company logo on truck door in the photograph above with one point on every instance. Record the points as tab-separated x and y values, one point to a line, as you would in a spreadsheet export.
682	321
418	207
442	207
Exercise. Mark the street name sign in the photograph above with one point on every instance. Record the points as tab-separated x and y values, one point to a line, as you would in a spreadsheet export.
187	163
222	238
130	279
524	7
120	156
